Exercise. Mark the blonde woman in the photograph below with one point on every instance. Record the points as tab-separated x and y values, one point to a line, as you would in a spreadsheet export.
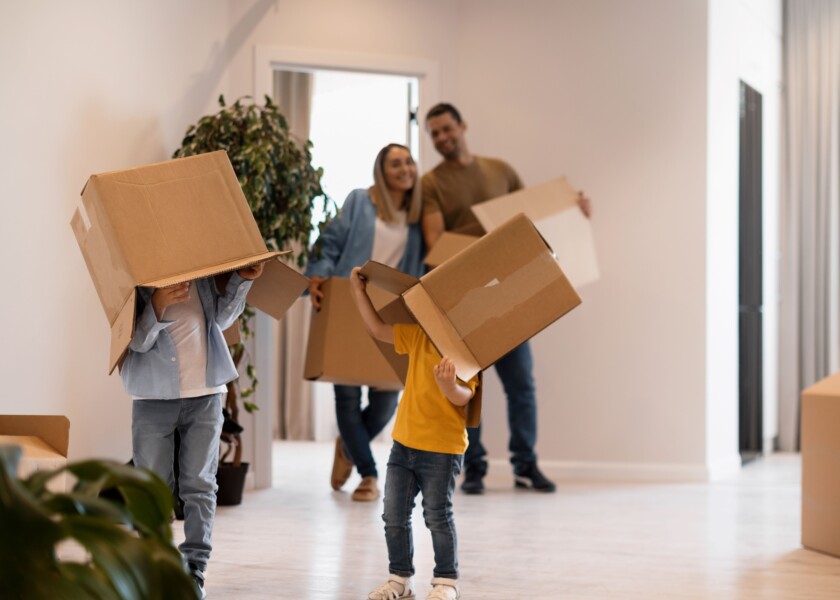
380	223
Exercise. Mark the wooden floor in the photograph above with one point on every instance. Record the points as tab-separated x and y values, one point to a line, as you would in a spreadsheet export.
737	539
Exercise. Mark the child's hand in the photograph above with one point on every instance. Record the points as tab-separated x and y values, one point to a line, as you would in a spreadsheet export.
445	378
167	296
445	375
252	272
357	281
315	293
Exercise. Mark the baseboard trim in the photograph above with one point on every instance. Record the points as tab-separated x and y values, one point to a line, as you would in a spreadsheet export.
624	472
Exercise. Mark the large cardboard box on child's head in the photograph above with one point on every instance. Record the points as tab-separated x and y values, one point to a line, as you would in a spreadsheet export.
44	441
340	349
553	207
820	441
170	222
482	303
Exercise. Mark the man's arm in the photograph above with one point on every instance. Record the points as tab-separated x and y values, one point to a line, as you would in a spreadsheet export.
457	394
433	226
373	323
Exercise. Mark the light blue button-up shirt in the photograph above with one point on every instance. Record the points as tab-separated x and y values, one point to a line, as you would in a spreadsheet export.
151	368
347	241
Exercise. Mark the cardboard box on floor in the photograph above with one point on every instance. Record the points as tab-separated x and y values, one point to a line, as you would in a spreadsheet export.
339	348
552	206
170	222
821	466
44	440
480	304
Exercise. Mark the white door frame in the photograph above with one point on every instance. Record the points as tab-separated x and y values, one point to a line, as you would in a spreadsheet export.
268	59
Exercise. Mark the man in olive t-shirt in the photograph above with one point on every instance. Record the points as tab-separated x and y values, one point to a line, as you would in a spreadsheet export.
449	190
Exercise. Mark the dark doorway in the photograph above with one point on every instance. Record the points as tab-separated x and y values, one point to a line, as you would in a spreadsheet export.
749	277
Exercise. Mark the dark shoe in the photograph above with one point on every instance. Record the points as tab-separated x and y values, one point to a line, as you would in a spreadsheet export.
473	480
529	476
198	578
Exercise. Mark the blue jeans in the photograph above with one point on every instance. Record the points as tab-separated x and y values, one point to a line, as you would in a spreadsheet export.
199	423
515	370
358	427
433	474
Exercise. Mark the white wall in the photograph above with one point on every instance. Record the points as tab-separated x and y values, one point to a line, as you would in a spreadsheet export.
388	32
611	94
88	86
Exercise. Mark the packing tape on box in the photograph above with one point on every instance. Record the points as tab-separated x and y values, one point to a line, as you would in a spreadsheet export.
498	297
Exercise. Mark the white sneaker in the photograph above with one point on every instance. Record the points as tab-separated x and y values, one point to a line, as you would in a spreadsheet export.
396	588
444	589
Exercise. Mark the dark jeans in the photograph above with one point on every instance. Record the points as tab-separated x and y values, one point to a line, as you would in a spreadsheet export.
358	427
433	474
515	371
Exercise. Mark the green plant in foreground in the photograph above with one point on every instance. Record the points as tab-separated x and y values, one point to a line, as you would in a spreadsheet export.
128	550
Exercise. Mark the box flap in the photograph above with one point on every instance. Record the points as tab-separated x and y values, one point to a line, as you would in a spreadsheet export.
105	263
552	206
387	278
276	290
122	331
52	429
441	332
448	245
217	269
501	290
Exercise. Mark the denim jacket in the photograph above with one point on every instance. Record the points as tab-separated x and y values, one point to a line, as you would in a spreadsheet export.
151	369
347	241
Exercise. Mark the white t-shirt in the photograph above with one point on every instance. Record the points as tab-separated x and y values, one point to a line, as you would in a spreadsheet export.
389	240
189	334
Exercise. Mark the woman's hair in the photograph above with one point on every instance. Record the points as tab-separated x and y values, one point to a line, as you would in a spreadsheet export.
384	207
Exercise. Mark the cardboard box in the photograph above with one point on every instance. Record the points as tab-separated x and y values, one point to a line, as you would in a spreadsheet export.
552	206
448	245
340	349
486	300
821	466
170	222
44	440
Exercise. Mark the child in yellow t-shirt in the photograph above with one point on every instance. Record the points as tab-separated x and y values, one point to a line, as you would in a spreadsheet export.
430	438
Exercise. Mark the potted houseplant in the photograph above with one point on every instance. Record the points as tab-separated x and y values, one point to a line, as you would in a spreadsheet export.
283	189
128	550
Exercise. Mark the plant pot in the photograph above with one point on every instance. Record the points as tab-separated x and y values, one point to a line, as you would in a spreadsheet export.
231	480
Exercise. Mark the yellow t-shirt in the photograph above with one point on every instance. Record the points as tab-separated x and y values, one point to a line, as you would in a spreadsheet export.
426	419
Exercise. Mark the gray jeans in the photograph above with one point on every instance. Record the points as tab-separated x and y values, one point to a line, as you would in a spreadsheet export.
199	423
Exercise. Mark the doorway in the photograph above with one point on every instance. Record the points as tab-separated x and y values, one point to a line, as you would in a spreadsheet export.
750	309
348	116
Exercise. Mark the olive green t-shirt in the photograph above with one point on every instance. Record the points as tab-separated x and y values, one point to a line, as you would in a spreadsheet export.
451	189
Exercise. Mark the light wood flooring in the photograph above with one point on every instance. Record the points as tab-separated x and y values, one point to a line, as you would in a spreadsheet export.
737	539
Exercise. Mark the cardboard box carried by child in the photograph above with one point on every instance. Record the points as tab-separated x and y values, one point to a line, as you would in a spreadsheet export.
486	300
170	222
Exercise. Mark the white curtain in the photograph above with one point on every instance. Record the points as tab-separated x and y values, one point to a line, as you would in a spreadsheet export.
810	304
295	415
